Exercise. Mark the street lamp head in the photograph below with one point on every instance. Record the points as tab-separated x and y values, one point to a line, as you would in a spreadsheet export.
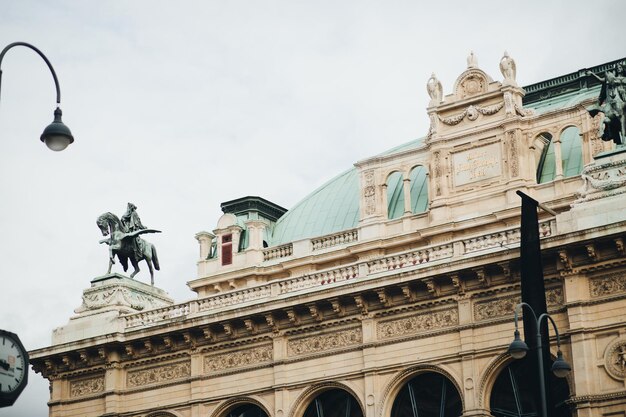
560	367
57	135
518	347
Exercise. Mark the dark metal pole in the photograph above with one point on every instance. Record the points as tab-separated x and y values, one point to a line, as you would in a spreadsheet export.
28	45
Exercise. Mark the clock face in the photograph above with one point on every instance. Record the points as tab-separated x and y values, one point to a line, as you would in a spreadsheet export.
13	365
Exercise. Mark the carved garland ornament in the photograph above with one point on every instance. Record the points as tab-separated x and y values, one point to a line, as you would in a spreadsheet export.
325	342
158	374
472	113
615	359
418	323
86	386
238	359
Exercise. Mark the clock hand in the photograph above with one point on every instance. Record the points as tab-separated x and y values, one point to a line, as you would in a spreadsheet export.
4	364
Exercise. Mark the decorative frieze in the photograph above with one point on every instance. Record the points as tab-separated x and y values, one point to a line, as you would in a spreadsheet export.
329	241
158	374
239	358
88	386
324	342
418	323
608	284
501	307
615	359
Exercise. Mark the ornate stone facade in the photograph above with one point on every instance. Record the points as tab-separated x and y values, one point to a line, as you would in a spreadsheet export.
375	302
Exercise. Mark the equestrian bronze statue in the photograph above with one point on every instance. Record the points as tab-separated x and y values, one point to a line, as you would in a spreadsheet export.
125	243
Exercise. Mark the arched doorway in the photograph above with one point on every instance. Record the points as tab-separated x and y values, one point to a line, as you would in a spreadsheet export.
428	394
247	410
512	393
334	403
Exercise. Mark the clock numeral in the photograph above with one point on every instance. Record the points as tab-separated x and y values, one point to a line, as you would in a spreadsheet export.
16	380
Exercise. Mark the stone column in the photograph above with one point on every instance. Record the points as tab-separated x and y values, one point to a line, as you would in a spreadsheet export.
558	159
384	208
406	184
205	239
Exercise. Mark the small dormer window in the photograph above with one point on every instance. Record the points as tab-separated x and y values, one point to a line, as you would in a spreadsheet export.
227	249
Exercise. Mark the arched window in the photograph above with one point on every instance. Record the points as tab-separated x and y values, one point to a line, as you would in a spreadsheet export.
512	394
419	189
564	158
395	196
247	410
572	151
546	167
334	403
428	395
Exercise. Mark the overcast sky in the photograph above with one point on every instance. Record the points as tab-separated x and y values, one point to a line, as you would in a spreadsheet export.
178	106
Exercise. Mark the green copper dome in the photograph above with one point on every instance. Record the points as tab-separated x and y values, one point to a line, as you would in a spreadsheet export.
331	208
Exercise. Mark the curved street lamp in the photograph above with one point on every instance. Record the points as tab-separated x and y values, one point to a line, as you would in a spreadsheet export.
518	349
56	135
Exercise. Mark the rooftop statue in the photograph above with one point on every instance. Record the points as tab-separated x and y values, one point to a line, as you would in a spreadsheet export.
435	90
507	68
472	62
612	103
124	241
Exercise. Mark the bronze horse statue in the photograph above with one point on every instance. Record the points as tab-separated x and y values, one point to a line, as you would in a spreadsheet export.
127	245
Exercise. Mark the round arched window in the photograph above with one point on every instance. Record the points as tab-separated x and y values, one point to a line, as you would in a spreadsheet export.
512	393
247	410
334	403
428	395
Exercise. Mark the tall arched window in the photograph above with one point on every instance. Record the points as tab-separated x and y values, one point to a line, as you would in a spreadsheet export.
572	151
395	196
545	158
563	159
419	189
512	394
334	403
247	410
428	395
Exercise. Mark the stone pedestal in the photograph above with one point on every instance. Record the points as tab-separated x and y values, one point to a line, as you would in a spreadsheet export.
602	198
109	297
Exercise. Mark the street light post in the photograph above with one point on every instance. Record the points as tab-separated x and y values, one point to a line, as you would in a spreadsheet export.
518	349
57	136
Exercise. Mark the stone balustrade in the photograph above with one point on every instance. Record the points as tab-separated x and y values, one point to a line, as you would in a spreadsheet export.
278	252
318	279
234	298
411	258
329	241
289	285
502	238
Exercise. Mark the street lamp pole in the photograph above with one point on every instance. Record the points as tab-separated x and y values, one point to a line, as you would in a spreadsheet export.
518	349
57	136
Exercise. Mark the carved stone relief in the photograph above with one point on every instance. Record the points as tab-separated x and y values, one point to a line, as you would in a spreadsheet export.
240	358
418	323
324	342
514	154
615	359
437	173
158	374
608	284
88	386
502	307
369	193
